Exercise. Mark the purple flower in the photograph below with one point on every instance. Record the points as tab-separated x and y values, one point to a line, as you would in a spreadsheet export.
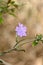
21	30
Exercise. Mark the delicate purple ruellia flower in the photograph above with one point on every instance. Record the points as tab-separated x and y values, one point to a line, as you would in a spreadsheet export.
21	30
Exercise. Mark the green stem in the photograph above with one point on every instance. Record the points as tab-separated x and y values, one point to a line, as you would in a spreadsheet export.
24	43
2	53
16	48
25	39
18	43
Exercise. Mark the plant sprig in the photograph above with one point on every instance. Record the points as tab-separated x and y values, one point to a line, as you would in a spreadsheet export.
34	41
8	7
38	38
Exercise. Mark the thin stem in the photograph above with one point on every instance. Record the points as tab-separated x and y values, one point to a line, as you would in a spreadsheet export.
2	53
24	39
24	43
18	43
16	48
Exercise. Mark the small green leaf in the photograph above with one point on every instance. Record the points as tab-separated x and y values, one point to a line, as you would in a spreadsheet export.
12	2
35	42
12	14
1	20
42	40
39	37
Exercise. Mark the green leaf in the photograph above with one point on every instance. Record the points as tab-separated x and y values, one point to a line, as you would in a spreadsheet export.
1	20
12	14
35	42
39	37
12	2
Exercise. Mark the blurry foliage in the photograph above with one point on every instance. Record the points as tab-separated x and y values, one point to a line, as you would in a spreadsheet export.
7	7
1	19
17	46
37	39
